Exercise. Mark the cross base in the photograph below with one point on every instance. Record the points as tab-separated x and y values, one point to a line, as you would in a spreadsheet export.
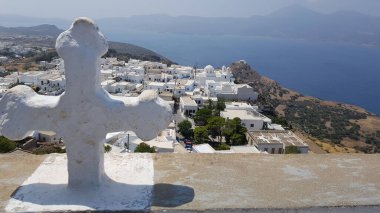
129	187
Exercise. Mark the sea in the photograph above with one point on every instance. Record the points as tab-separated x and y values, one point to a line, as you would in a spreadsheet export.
331	71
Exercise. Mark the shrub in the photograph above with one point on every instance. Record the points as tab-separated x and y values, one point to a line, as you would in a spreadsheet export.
48	150
223	146
145	148
292	150
107	148
6	145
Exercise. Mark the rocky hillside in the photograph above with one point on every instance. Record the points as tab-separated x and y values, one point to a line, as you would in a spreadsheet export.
335	127
125	51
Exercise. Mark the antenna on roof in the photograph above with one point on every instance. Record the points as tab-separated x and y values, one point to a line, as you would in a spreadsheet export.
195	70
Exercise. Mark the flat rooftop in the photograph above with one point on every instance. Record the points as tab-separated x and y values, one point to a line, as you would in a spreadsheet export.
244	149
188	101
242	114
33	73
153	83
203	148
277	136
52	76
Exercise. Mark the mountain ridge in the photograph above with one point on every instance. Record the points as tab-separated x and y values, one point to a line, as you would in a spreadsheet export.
46	34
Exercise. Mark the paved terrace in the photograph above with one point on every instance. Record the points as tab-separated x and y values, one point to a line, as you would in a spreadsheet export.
232	182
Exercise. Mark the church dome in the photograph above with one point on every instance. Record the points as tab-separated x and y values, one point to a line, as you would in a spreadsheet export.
209	69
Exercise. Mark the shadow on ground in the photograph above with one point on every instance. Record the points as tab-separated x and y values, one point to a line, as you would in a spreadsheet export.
112	196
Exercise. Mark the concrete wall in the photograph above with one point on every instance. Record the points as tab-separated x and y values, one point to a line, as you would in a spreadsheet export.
246	93
257	124
270	146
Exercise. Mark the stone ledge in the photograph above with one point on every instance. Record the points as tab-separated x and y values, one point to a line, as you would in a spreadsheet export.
247	182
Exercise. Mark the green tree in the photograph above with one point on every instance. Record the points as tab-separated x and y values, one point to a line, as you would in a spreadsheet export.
280	120
215	127
238	139
200	135
220	106
145	148
292	150
6	145
234	132
240	128
185	129
229	129
210	105
202	115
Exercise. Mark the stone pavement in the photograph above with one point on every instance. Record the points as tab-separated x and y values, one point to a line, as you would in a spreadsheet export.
229	182
15	168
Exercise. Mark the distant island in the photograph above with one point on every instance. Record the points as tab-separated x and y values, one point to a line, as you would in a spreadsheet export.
293	22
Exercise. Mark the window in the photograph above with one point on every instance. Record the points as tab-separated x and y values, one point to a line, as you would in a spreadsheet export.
252	125
273	150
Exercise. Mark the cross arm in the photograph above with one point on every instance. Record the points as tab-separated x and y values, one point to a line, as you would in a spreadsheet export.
147	115
22	110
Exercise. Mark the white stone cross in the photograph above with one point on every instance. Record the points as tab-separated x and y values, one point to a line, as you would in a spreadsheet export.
85	113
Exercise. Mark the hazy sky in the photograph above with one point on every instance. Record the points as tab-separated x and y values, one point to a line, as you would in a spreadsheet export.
123	8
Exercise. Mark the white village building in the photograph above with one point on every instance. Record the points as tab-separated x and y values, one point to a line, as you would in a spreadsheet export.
180	72
165	142
31	78
275	142
241	106
51	82
158	86
188	106
209	73
252	120
229	90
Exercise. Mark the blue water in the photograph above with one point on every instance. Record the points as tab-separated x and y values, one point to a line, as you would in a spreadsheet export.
343	73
